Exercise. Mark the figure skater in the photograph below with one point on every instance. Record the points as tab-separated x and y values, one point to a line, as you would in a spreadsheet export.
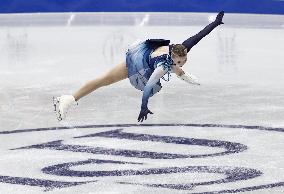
146	63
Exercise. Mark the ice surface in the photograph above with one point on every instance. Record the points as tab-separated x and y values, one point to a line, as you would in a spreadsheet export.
240	66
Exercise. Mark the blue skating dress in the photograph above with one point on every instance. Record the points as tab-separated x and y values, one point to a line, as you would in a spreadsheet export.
141	66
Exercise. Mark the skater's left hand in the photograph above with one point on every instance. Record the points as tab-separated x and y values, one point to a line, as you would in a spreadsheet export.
143	114
219	18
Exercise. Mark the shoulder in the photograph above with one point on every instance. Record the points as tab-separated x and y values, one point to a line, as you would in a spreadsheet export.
160	51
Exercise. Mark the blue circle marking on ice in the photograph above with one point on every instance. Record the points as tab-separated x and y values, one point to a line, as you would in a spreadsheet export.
279	129
229	147
232	174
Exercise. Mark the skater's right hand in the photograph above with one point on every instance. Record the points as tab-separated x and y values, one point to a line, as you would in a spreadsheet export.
143	114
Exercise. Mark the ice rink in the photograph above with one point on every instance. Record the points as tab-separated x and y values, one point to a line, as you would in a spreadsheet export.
225	136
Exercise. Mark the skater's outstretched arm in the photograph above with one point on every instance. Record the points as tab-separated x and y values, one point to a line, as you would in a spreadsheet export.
190	42
155	77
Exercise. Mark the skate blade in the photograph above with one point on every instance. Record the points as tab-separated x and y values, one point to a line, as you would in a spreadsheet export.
56	109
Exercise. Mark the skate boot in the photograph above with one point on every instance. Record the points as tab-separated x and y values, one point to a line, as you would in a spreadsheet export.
62	105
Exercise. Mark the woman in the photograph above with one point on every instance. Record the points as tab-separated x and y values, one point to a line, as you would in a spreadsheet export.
145	64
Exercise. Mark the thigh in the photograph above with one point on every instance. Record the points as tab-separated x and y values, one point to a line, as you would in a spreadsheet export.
119	72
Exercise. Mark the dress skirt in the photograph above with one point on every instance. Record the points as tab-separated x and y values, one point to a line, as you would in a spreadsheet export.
137	62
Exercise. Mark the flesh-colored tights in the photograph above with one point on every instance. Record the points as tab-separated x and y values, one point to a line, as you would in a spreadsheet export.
118	73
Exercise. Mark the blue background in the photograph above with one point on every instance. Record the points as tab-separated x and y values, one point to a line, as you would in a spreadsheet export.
230	6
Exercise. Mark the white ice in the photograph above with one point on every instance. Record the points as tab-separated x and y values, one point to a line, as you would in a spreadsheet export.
240	66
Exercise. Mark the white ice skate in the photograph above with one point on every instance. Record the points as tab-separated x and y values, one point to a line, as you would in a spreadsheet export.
62	104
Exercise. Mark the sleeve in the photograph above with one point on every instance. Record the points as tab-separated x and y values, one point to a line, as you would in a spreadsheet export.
158	73
185	76
189	78
192	41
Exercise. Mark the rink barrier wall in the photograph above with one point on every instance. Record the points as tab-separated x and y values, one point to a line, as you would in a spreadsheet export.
235	6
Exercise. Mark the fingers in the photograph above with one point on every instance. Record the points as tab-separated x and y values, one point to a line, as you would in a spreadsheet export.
221	14
144	115
140	118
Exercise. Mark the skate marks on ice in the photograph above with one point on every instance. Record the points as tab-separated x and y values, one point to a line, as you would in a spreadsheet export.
166	154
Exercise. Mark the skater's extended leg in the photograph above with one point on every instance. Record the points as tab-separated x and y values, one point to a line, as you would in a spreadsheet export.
64	102
116	74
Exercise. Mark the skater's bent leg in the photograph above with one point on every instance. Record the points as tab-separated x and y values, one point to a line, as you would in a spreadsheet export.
116	74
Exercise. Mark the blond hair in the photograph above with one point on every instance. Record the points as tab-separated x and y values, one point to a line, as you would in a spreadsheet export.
179	50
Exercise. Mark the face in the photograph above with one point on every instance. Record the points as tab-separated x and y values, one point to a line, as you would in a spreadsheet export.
179	61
